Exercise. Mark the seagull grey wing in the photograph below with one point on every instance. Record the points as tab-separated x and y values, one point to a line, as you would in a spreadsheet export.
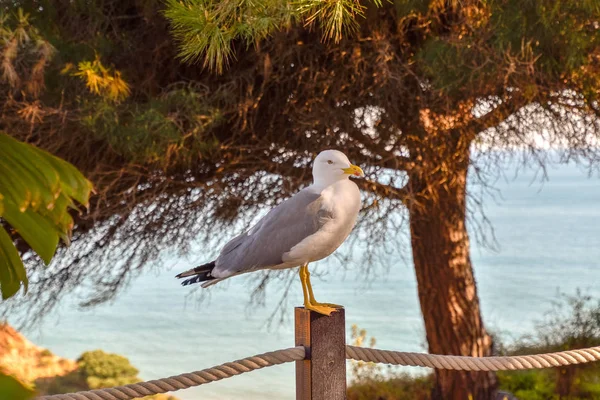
241	238
235	243
276	233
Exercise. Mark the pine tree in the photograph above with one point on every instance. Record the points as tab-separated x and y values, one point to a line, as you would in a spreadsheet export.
441	77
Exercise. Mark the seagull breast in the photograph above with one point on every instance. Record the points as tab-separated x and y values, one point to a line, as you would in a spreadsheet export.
342	201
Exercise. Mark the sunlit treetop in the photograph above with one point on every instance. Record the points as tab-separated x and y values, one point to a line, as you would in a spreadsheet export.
453	46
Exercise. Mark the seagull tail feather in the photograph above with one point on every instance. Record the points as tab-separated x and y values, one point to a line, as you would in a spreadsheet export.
200	273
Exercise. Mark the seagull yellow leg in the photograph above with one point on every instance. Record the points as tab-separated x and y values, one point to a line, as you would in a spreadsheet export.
304	288
311	295
309	299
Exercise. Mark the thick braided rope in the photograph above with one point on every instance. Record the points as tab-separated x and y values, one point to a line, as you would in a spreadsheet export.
248	364
185	381
474	363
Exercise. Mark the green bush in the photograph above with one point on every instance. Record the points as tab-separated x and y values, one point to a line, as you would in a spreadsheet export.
572	323
528	385
397	387
46	353
96	370
372	381
97	366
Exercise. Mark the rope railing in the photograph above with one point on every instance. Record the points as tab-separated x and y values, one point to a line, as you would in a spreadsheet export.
463	363
184	381
248	364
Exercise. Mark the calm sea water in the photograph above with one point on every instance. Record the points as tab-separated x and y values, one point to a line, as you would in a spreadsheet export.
549	238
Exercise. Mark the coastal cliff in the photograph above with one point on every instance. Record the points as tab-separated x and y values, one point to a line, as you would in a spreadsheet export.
51	374
28	362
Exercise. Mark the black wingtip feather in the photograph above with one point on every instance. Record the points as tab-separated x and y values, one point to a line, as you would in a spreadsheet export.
191	281
199	274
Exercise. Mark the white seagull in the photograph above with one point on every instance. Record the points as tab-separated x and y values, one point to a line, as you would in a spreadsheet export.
307	227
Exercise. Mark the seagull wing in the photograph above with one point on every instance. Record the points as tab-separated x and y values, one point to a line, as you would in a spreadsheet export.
265	244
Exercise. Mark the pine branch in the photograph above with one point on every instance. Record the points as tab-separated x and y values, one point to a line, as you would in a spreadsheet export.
207	30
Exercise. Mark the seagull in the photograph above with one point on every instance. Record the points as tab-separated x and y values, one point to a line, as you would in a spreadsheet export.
307	227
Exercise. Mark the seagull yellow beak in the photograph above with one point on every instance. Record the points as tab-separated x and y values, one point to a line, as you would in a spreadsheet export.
354	170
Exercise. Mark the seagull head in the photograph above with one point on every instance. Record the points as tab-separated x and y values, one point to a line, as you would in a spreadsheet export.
333	165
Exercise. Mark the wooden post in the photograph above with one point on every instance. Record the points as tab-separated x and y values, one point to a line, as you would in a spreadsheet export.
322	376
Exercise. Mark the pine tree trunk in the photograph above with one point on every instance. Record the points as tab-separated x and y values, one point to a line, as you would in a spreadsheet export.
447	289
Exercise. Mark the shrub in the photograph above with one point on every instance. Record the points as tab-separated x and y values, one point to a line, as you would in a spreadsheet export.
46	353
371	381
96	370
528	385
105	365
396	387
573	322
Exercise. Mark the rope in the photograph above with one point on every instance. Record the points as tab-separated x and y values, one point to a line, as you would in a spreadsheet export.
474	363
248	364
185	381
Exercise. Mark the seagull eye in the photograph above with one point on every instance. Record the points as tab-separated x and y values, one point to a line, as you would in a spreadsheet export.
329	162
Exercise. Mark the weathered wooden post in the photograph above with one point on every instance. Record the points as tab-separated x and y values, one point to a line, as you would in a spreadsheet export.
322	376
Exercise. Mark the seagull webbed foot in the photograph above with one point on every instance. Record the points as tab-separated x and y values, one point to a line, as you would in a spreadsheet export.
330	305
321	308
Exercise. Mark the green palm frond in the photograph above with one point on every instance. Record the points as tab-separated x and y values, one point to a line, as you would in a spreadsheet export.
37	190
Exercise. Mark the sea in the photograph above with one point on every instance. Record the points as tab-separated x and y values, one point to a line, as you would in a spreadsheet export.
547	241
